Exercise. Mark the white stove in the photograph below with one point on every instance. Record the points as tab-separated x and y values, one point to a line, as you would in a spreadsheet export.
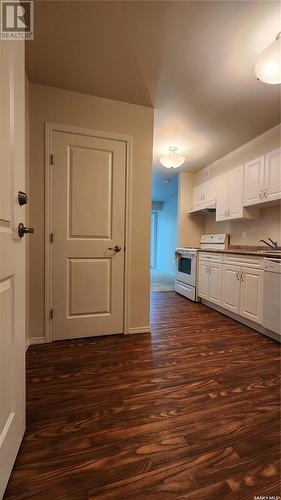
186	268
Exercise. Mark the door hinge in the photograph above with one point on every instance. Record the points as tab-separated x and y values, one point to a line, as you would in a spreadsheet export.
51	159
51	313
51	237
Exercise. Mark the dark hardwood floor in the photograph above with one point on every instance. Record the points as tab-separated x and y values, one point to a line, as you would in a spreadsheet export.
191	412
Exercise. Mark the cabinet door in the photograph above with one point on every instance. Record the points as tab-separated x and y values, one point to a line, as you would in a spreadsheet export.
251	297
272	180
215	283
235	196
253	181
198	194
222	198
231	287
203	280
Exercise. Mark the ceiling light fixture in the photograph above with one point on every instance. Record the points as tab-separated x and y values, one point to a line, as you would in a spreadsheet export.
172	159
268	66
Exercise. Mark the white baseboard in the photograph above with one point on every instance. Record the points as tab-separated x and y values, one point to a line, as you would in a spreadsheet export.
245	321
36	340
139	329
27	344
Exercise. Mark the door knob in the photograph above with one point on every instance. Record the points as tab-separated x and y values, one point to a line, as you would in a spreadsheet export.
22	230
117	248
22	197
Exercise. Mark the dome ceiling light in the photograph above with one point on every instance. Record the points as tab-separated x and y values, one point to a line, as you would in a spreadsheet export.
268	66
172	159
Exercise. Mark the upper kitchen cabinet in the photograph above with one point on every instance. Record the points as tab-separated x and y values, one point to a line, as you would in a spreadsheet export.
204	198
262	183
230	197
272	175
203	193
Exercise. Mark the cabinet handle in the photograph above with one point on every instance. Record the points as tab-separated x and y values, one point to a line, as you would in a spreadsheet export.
260	195
237	275
242	277
265	193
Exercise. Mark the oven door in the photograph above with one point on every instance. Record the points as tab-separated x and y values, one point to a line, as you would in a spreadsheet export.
186	267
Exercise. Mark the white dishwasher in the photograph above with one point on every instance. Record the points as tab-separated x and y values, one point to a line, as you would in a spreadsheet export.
272	295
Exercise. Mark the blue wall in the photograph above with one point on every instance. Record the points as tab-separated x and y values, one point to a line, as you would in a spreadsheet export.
167	235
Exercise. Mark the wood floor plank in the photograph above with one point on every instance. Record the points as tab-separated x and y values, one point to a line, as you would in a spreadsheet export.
189	412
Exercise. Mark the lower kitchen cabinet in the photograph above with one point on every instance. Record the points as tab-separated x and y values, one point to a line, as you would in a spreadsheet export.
234	287
231	288
203	280
210	276
251	295
215	287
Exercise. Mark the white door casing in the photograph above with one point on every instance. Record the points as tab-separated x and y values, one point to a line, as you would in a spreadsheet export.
88	220
12	255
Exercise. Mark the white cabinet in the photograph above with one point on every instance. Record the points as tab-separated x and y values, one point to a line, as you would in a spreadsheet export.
210	278
242	290
272	175
253	181
215	288
231	288
230	196
199	194
203	193
222	199
203	280
251	296
235	282
262	179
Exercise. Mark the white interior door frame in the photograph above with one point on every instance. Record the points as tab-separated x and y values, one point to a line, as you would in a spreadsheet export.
50	128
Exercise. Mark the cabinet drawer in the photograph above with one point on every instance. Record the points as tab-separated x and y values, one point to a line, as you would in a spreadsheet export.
251	261
211	257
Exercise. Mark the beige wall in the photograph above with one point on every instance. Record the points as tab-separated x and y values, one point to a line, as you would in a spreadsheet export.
268	224
190	227
85	111
249	151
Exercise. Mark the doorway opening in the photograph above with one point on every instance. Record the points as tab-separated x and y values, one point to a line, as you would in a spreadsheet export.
163	241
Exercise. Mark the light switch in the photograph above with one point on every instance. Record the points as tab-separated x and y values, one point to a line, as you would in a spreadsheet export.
244	235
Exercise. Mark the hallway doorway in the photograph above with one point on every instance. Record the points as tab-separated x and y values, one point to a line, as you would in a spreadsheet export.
163	241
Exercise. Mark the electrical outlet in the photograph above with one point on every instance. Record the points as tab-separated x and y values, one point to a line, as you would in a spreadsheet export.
244	235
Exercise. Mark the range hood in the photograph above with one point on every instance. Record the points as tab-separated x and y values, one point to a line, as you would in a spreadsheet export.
209	207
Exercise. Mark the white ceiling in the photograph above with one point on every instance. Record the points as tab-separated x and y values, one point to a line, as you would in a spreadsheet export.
193	61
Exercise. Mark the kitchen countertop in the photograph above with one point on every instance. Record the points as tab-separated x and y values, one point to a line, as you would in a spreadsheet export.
245	250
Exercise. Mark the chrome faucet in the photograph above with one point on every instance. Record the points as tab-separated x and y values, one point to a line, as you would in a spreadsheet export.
273	244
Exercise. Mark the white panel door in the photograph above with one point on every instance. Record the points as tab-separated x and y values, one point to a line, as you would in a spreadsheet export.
253	181
272	179
88	207
222	199
231	288
251	298
215	283
235	196
203	280
12	256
